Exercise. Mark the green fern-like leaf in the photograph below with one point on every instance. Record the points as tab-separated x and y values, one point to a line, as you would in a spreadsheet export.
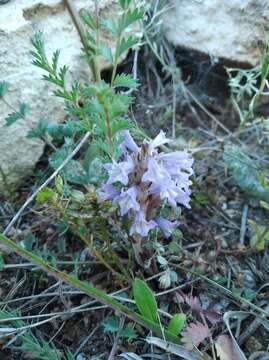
40	59
121	124
55	59
130	17
16	115
89	20
4	86
106	53
125	80
127	43
12	118
39	131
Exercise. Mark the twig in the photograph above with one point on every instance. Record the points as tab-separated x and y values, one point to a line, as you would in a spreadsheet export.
182	286
80	29
77	22
135	63
53	175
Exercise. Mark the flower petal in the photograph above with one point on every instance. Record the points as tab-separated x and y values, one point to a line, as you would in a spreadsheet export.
160	139
141	226
127	200
129	142
107	192
167	226
118	172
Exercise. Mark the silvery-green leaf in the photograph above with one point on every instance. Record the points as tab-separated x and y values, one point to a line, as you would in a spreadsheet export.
245	172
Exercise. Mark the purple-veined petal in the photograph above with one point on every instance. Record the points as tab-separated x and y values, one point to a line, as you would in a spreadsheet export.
177	163
173	193
180	158
166	226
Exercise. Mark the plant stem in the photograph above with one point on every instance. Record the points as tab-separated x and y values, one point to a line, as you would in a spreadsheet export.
79	26
11	107
115	63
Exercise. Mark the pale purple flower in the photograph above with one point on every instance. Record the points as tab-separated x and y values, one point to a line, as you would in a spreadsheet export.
127	200
155	173
148	178
159	140
128	143
166	226
183	197
141	226
179	159
118	172
167	190
107	192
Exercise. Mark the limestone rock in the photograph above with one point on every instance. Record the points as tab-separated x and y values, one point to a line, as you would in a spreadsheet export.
19	20
234	30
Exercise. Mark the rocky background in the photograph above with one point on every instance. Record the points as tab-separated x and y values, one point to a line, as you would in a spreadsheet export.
227	31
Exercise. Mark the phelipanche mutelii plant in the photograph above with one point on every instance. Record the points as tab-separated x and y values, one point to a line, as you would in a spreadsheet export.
142	180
